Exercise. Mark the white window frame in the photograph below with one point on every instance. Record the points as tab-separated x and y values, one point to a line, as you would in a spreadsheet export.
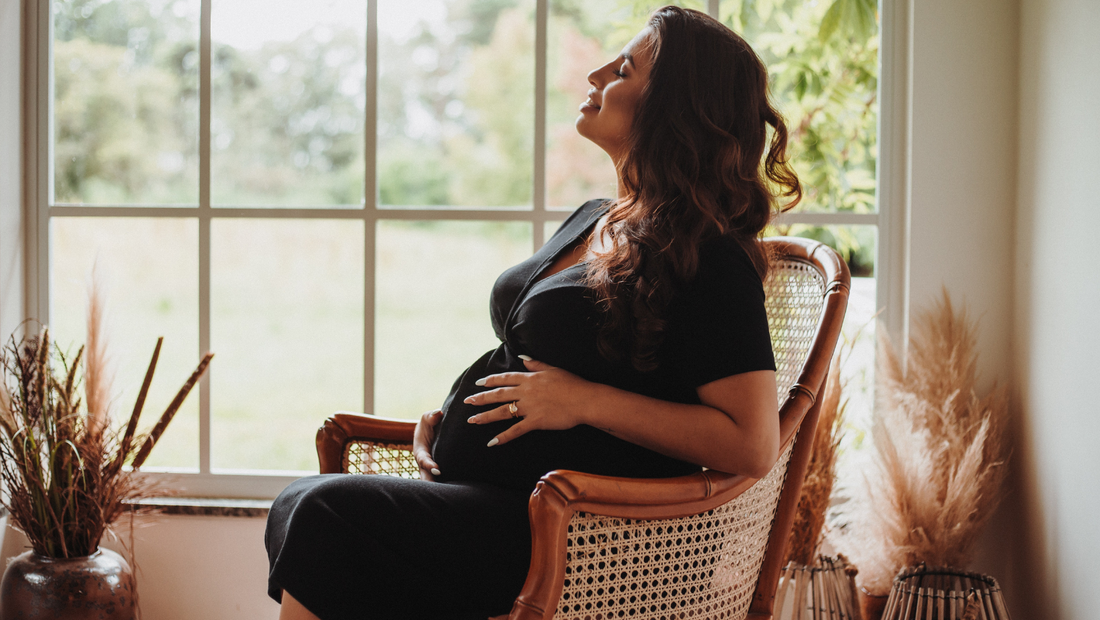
890	217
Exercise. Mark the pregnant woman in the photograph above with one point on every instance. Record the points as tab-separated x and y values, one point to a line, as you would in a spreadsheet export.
634	343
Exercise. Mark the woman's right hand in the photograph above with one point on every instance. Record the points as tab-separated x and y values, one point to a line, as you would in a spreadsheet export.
423	438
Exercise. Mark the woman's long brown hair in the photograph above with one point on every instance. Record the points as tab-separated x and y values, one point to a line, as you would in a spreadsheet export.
695	169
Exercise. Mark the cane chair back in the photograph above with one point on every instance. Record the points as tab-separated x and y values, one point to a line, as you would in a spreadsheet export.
699	566
706	546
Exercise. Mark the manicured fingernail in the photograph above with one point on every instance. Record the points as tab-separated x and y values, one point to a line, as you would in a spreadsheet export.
472	419
480	382
469	400
492	442
435	472
526	358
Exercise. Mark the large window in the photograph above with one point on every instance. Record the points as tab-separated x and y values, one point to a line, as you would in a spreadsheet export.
323	192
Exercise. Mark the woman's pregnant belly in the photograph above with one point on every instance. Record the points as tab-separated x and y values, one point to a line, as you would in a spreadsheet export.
462	453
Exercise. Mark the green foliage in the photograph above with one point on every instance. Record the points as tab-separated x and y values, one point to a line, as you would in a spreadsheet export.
125	111
408	176
480	17
287	121
857	19
823	60
140	25
456	109
856	244
108	114
493	162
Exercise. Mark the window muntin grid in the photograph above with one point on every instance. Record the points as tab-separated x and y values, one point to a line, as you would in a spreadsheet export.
542	220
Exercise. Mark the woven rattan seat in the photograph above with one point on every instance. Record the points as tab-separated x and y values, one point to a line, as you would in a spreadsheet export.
707	546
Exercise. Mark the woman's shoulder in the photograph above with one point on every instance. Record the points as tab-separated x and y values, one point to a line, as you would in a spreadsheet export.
724	262
582	217
718	325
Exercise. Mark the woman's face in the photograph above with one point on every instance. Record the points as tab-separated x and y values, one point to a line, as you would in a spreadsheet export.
608	113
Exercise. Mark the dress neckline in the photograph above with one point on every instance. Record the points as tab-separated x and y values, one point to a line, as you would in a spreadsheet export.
594	215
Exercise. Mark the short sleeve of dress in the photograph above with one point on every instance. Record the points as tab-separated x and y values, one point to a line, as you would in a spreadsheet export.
718	325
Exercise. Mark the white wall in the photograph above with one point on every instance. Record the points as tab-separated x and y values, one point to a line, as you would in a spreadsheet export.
1005	144
11	223
963	165
1057	301
962	172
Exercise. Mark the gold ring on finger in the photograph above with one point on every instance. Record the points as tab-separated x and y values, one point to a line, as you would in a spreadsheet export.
513	409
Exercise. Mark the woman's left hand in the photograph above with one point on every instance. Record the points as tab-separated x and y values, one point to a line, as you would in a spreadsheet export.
546	398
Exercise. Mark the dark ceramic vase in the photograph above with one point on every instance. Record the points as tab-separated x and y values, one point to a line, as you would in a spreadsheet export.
95	587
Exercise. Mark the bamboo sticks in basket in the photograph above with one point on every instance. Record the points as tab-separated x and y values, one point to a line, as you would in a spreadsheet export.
824	590
930	593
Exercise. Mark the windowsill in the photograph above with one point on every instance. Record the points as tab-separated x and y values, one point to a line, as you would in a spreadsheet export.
207	506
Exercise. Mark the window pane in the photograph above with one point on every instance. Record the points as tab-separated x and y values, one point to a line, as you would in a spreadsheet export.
825	84
432	305
287	326
859	367
148	272
455	103
857	245
583	36
549	228
288	102
125	108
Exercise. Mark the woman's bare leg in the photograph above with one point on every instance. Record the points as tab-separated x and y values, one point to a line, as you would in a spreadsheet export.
293	610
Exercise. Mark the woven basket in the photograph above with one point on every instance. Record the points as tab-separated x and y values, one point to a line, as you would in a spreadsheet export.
930	593
824	591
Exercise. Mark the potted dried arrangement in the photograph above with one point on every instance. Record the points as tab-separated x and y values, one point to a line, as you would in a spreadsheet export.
813	586
928	592
68	473
939	452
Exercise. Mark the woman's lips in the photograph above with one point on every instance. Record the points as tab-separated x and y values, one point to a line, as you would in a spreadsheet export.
588	105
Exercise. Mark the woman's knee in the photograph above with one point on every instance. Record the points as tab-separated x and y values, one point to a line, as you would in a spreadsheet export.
303	502
306	491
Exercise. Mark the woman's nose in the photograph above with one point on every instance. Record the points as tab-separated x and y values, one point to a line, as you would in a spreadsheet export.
592	77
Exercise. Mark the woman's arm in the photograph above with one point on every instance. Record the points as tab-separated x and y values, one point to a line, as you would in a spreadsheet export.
735	430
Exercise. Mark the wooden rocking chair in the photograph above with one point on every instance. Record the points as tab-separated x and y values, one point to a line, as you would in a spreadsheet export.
709	545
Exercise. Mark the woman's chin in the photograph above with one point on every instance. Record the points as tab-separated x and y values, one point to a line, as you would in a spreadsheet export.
579	125
584	123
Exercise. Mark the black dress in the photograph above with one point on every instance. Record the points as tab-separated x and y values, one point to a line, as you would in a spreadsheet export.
381	547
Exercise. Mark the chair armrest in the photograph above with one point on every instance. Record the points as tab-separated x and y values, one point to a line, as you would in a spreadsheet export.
642	498
561	494
345	427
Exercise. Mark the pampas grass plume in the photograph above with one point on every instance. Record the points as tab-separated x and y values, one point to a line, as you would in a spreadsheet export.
97	375
939	454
